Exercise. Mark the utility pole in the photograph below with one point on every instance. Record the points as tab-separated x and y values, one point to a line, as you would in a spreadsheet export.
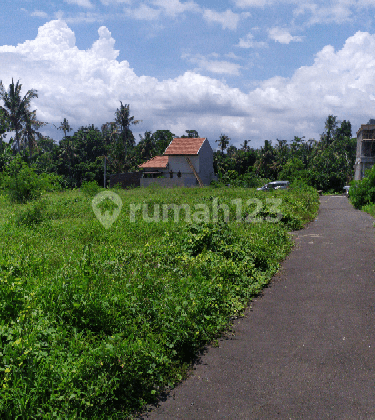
105	169
105	172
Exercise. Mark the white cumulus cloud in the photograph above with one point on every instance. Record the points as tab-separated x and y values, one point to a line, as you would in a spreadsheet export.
39	13
175	7
143	12
283	36
262	3
248	42
114	2
155	9
213	65
81	3
85	86
228	19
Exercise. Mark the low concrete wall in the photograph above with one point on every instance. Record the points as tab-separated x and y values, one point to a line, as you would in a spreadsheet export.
169	182
126	179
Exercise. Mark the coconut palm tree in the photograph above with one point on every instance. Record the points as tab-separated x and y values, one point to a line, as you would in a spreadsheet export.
16	107
124	121
146	146
245	146
223	142
65	127
29	133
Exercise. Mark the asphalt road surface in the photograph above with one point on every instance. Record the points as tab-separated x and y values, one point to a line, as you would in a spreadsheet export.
306	348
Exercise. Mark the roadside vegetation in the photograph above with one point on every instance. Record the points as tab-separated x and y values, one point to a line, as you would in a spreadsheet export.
95	323
362	193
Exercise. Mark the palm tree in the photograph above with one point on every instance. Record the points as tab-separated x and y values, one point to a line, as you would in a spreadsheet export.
146	146
110	133
29	133
331	125
64	126
223	142
124	121
15	107
68	153
245	146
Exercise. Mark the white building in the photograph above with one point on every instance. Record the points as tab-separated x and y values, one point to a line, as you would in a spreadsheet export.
365	157
185	162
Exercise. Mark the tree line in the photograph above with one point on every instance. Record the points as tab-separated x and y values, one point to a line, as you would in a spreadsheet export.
326	163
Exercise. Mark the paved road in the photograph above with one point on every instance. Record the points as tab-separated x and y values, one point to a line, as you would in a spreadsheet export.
306	349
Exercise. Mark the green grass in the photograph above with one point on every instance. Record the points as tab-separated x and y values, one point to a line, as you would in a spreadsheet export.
94	323
369	208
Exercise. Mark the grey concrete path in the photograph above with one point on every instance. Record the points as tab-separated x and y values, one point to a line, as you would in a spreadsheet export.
306	349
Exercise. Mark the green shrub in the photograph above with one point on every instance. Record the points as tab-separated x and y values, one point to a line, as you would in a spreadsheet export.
32	214
53	182
90	188
250	180
363	192
117	187
247	180
22	184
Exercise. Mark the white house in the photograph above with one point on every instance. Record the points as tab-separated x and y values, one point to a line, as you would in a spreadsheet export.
185	162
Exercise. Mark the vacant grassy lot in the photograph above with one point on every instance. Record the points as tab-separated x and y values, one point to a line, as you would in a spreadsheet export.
94	322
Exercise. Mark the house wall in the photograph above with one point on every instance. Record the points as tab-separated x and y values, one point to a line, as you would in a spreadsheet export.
357	166
169	182
362	163
161	171
206	163
179	163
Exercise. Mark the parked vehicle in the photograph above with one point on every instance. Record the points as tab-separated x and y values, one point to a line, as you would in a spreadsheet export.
274	185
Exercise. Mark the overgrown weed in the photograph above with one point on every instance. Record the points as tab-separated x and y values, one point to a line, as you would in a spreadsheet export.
94	323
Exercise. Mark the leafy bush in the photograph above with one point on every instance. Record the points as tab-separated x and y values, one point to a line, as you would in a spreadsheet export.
247	180
294	169
301	185
363	192
53	182
22	183
117	187
90	188
32	214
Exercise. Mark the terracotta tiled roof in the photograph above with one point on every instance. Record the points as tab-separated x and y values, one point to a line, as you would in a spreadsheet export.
156	162
184	146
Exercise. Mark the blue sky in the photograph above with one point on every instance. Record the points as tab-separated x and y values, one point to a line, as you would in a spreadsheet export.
250	69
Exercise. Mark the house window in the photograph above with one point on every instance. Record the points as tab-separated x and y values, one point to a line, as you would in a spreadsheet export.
368	148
